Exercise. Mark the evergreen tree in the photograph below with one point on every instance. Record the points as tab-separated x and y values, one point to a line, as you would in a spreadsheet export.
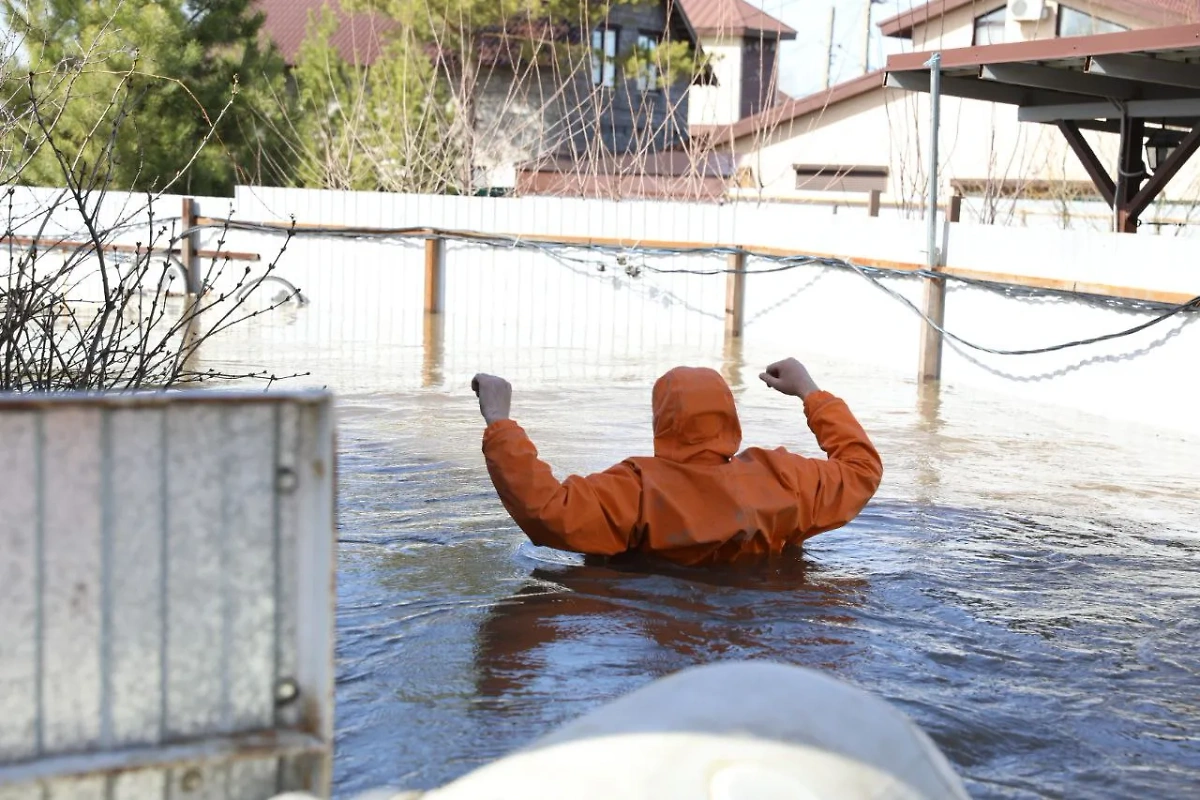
178	93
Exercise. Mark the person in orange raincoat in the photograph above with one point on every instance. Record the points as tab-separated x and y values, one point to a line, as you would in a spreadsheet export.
697	500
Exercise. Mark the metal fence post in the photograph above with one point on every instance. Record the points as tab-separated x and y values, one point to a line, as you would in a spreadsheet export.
929	367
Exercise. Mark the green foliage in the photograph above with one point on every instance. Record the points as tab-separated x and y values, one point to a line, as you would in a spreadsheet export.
453	25
457	35
374	128
663	65
330	98
183	94
174	92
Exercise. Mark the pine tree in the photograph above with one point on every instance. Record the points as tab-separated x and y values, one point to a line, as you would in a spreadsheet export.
174	93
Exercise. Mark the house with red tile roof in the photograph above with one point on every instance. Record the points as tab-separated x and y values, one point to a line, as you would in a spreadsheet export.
860	135
742	43
358	38
588	130
559	99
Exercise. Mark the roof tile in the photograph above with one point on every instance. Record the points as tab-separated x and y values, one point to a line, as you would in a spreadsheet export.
358	39
732	18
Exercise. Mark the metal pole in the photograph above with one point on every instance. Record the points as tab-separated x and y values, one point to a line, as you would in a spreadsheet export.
829	50
935	114
929	365
866	41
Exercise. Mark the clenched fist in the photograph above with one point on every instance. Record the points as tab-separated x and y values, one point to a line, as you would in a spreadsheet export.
495	397
789	377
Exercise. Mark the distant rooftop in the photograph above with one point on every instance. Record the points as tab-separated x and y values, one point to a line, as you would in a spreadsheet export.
360	38
734	18
1153	12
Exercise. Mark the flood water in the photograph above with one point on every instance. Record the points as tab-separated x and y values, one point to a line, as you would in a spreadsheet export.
1024	585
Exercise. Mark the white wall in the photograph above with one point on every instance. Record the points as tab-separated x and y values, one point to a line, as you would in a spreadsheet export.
980	142
956	29
720	104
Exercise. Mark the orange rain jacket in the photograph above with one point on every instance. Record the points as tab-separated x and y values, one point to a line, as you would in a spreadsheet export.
697	500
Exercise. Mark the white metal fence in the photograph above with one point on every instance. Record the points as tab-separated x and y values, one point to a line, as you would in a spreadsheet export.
582	312
166	595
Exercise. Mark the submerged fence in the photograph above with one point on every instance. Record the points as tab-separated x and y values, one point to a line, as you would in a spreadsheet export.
502	282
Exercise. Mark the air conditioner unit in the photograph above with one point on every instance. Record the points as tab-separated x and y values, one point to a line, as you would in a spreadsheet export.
1026	10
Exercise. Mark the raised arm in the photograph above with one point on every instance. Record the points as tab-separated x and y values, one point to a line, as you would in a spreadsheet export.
596	514
831	492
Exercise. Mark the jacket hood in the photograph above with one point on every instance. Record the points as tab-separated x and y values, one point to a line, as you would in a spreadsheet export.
695	419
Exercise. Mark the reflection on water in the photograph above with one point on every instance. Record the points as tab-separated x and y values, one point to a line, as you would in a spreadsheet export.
1024	585
433	350
681	616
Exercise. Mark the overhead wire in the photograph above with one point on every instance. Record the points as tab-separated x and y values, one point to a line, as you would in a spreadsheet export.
781	263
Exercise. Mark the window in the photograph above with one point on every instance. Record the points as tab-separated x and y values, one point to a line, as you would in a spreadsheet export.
604	57
989	29
1077	23
840	178
648	78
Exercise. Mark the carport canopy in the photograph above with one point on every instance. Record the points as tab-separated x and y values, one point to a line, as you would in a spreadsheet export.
1143	85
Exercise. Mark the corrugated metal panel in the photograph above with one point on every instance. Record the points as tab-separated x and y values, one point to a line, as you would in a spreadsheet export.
136	578
159	554
196	649
312	571
19	588
70	522
249	506
287	426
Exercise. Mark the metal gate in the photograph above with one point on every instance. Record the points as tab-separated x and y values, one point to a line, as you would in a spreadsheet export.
166	595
